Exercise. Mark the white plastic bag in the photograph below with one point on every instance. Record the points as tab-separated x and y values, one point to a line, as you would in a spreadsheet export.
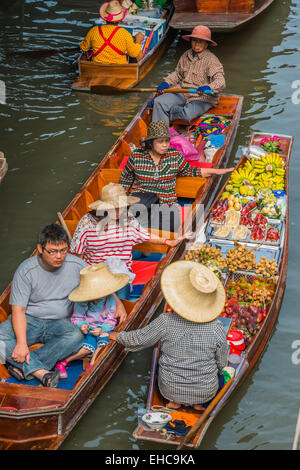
254	151
118	266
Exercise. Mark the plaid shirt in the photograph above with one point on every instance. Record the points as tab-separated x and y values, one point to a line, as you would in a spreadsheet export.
142	174
191	356
194	70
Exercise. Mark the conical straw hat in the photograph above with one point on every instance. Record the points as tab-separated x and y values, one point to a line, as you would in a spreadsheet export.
113	196
193	291
97	281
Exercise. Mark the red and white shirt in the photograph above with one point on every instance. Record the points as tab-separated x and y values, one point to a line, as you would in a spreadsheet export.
98	245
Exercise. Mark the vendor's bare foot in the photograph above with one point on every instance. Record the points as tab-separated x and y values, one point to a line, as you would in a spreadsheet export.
198	407
173	405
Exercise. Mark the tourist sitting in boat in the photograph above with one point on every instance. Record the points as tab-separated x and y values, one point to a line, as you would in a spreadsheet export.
41	310
108	233
94	310
110	43
198	68
193	345
150	174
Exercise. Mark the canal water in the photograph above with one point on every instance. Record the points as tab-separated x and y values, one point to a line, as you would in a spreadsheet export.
53	139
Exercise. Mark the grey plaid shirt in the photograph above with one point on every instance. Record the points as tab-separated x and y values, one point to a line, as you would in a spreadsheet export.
192	354
194	70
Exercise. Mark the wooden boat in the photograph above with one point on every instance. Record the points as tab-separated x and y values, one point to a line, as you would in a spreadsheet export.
3	166
33	417
122	76
220	16
254	344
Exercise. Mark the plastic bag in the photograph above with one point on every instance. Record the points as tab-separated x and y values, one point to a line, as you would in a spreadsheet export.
118	266
180	143
254	151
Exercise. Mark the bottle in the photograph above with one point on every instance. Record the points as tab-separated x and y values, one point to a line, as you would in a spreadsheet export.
151	4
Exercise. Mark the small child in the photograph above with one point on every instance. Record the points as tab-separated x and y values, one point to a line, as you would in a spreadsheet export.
94	310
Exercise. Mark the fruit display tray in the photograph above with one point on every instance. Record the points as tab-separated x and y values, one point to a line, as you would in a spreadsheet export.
269	252
212	226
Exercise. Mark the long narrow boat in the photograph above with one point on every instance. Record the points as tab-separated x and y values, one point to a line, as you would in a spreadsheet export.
122	76
33	417
220	16
3	166
254	318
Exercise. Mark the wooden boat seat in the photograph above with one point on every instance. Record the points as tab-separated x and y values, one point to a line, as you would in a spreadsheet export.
185	186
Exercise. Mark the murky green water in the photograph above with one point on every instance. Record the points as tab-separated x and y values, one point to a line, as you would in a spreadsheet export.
53	138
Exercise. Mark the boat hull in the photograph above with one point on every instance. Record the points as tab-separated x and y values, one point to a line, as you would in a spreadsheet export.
253	352
41	418
186	16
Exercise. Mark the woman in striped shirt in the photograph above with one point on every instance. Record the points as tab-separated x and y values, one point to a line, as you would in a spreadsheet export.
108	232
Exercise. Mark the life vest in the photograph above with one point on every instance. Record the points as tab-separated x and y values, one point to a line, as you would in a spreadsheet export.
107	42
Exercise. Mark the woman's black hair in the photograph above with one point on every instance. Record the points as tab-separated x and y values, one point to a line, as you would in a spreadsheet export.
148	144
53	233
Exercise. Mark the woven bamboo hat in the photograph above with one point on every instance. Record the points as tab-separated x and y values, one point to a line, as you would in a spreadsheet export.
193	291
112	11
200	32
157	130
97	281
113	196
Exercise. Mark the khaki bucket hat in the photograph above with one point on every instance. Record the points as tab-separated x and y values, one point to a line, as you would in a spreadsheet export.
113	196
97	281
157	130
193	291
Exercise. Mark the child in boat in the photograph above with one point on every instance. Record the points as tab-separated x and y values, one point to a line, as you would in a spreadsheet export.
94	310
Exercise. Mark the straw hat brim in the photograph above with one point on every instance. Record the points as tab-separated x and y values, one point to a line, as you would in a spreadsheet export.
123	202
105	15
185	299
189	36
94	292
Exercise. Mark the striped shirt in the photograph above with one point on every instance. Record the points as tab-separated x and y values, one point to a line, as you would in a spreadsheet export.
99	245
195	70
192	355
122	40
142	174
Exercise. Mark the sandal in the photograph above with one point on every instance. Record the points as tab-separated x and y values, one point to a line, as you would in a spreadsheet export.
61	366
51	379
13	372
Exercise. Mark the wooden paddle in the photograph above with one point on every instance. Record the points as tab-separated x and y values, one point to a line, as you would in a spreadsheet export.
42	53
64	225
102	89
203	417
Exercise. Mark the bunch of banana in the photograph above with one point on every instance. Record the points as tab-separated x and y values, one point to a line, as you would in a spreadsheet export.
267	180
243	176
271	162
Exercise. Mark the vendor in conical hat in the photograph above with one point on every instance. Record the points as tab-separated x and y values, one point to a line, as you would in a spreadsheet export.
94	310
198	68
110	43
192	340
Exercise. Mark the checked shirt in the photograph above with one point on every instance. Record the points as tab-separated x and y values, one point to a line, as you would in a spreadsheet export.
192	355
142	174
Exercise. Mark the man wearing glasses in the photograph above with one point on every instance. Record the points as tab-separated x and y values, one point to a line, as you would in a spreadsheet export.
41	309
